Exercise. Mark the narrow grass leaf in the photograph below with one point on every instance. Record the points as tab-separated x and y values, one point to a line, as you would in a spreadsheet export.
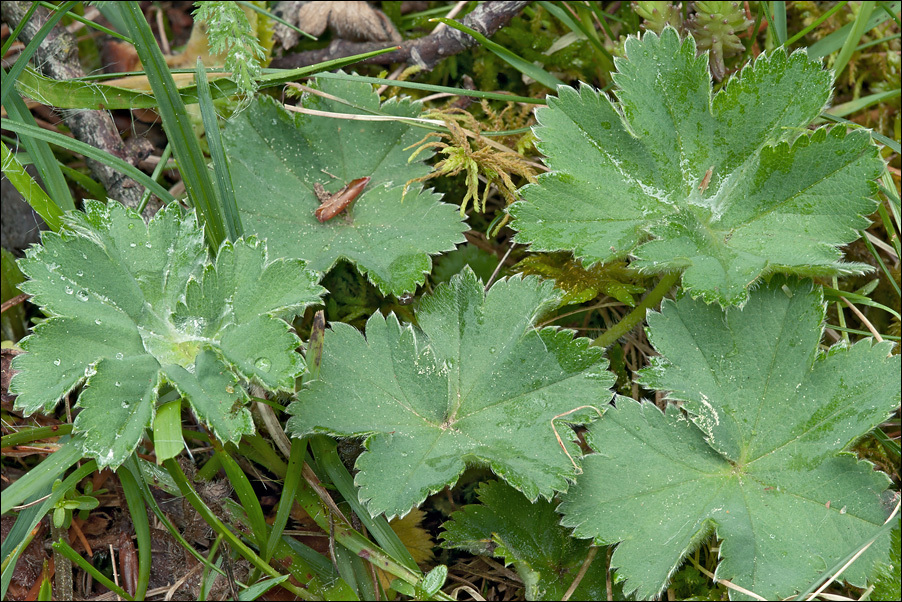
521	65
41	155
9	79
33	194
178	126
227	202
91	152
137	512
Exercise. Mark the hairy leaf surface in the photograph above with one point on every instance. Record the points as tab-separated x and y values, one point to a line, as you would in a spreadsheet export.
277	157
133	305
478	384
758	461
528	536
724	189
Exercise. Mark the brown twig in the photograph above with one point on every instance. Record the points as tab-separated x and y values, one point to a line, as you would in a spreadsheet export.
426	52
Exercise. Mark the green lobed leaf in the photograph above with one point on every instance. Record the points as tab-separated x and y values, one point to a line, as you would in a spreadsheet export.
760	459
477	385
133	305
277	157
528	536
628	175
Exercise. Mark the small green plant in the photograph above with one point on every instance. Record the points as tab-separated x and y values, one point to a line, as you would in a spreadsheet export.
137	308
688	182
73	502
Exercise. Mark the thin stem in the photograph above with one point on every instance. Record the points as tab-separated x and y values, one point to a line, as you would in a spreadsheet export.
636	316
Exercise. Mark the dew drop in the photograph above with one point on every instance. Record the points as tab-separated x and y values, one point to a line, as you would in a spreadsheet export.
263	364
69	290
118	384
57	362
79	273
82	295
98	322
133	245
125	405
120	355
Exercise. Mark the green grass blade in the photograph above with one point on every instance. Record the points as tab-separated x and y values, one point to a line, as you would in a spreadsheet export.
246	495
84	93
778	9
33	194
138	513
92	153
859	27
219	527
178	126
521	65
41	476
859	104
167	430
329	462
15	33
66	550
579	26
227	201
18	537
835	40
76	17
289	489
432	88
41	155
815	23
10	79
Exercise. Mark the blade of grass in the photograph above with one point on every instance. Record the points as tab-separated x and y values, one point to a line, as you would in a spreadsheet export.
33	194
133	467
66	550
578	26
887	8
521	65
325	451
15	32
83	93
835	40
217	525
178	126
23	530
155	176
246	495
41	154
893	144
41	475
27	435
91	152
227	201
289	490
778	9
167	430
815	23
137	511
9	80
76	17
859	27
859	104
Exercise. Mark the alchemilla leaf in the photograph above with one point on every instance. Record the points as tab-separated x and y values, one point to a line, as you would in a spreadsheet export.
505	524
478	384
758	457
277	158
725	188
134	305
